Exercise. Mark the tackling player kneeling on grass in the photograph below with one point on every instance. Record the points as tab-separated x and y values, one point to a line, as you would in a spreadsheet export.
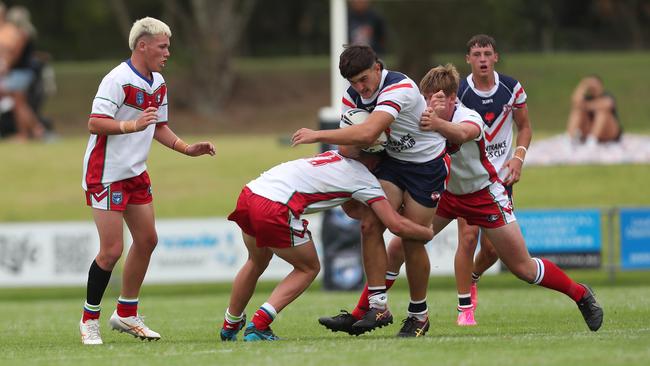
129	110
476	193
268	212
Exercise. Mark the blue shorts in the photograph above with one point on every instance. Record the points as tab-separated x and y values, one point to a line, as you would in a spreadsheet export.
425	182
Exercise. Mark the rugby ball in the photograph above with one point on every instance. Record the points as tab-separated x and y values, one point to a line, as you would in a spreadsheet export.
356	116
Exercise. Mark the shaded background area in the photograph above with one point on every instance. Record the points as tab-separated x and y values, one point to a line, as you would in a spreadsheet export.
262	66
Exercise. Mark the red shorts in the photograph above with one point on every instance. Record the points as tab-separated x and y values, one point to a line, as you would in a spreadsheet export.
489	208
271	223
115	196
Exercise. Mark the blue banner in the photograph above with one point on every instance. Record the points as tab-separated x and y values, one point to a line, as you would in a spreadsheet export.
635	238
571	238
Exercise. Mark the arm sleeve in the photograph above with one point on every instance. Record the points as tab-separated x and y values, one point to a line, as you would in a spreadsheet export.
109	98
396	97
520	97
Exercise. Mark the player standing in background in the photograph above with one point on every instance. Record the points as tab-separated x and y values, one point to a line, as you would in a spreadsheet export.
476	193
500	100
412	175
129	110
268	212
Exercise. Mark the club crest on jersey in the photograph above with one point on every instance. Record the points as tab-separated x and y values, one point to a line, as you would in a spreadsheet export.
489	117
116	198
435	196
139	98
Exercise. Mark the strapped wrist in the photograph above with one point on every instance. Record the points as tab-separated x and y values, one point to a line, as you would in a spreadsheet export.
128	126
520	153
180	146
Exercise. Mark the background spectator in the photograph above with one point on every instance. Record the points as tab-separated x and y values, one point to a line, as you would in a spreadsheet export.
366	26
593	117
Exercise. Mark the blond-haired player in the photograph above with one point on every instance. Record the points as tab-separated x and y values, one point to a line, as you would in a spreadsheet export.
128	112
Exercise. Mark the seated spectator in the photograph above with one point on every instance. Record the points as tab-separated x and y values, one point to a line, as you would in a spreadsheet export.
593	118
16	75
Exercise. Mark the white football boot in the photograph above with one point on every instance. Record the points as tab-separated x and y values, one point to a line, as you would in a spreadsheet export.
90	332
132	325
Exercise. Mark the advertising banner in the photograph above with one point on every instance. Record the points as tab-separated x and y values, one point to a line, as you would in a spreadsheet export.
635	238
43	254
570	238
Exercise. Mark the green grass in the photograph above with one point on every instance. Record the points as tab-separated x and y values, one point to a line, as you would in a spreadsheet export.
43	181
518	324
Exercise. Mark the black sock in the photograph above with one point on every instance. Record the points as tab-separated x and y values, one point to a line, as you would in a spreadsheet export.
464	301
97	283
417	307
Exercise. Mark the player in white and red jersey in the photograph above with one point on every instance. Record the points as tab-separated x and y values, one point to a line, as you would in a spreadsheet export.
476	193
501	102
129	110
269	212
412	175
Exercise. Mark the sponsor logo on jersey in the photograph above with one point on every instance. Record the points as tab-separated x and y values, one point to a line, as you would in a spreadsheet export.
487	101
435	196
116	198
158	99
492	218
139	98
150	191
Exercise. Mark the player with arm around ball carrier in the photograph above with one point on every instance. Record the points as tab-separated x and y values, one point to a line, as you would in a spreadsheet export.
269	211
128	112
476	193
412	175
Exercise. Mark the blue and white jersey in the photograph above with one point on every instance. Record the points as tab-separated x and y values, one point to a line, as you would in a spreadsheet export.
400	97
496	108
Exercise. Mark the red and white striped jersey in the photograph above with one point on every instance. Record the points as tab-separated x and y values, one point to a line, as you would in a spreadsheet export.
400	97
496	107
315	184
122	95
471	170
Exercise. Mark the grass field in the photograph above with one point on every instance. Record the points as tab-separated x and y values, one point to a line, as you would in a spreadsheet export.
44	180
519	324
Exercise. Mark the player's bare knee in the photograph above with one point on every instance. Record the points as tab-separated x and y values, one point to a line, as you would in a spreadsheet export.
490	252
523	272
371	226
311	268
108	256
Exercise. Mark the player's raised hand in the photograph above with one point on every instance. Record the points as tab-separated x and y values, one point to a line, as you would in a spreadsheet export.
200	148
438	103
147	117
304	136
427	122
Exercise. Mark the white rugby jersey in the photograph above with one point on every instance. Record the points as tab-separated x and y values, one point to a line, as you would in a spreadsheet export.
496	108
471	170
122	95
400	96
318	183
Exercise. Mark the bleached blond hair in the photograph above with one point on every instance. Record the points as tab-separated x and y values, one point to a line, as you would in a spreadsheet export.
147	27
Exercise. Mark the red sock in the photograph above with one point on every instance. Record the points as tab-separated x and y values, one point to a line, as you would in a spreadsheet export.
262	319
363	305
554	278
89	315
126	309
